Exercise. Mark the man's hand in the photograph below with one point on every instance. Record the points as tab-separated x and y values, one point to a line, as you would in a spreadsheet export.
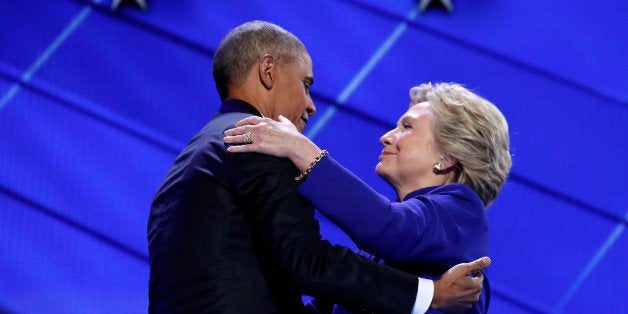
460	286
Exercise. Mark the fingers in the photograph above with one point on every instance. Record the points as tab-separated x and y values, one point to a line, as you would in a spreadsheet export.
239	130
479	264
240	149
478	274
471	268
238	138
460	274
460	286
286	122
252	120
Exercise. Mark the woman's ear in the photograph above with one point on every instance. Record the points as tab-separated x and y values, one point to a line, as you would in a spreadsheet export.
449	161
266	66
445	165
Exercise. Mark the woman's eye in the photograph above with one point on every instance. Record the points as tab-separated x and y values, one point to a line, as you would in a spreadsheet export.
407	126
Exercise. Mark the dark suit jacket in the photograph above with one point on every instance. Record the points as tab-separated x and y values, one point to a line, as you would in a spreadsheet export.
228	233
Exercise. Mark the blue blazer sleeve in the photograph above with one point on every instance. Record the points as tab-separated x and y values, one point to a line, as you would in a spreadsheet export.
443	225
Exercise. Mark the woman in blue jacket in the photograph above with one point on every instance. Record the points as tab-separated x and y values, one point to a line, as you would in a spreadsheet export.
447	159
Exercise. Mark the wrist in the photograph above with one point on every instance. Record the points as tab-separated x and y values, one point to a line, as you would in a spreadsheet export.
437	299
303	156
309	168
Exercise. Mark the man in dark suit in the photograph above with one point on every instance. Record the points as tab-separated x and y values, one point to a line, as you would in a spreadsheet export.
229	234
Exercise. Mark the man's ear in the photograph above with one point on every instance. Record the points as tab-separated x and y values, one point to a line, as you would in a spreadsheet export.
267	65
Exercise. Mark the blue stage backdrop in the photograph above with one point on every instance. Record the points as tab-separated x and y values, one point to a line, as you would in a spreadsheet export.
96	103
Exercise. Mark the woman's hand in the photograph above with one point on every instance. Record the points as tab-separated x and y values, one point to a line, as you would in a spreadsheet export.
277	138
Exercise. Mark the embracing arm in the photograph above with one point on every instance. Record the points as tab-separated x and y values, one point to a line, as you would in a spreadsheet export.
366	216
432	229
335	272
292	235
369	218
441	227
330	271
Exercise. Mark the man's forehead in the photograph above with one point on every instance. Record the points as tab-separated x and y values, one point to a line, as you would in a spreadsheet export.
306	62
306	59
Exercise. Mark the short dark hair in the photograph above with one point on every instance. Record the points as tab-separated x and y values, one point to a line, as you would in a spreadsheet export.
244	45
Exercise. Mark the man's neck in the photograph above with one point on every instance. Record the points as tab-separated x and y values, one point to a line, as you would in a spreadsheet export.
254	98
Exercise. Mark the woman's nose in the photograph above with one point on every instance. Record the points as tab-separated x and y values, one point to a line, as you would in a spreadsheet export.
386	139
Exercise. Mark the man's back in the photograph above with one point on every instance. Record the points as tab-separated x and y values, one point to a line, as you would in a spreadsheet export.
205	253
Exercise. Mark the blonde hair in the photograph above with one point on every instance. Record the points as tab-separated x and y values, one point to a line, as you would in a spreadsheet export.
472	130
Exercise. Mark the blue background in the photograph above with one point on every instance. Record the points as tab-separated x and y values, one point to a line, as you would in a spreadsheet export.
95	105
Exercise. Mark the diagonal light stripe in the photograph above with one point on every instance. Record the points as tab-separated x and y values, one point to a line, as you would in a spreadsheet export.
321	122
363	73
73	224
50	50
597	258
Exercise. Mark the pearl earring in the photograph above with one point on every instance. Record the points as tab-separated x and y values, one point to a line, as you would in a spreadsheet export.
438	167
